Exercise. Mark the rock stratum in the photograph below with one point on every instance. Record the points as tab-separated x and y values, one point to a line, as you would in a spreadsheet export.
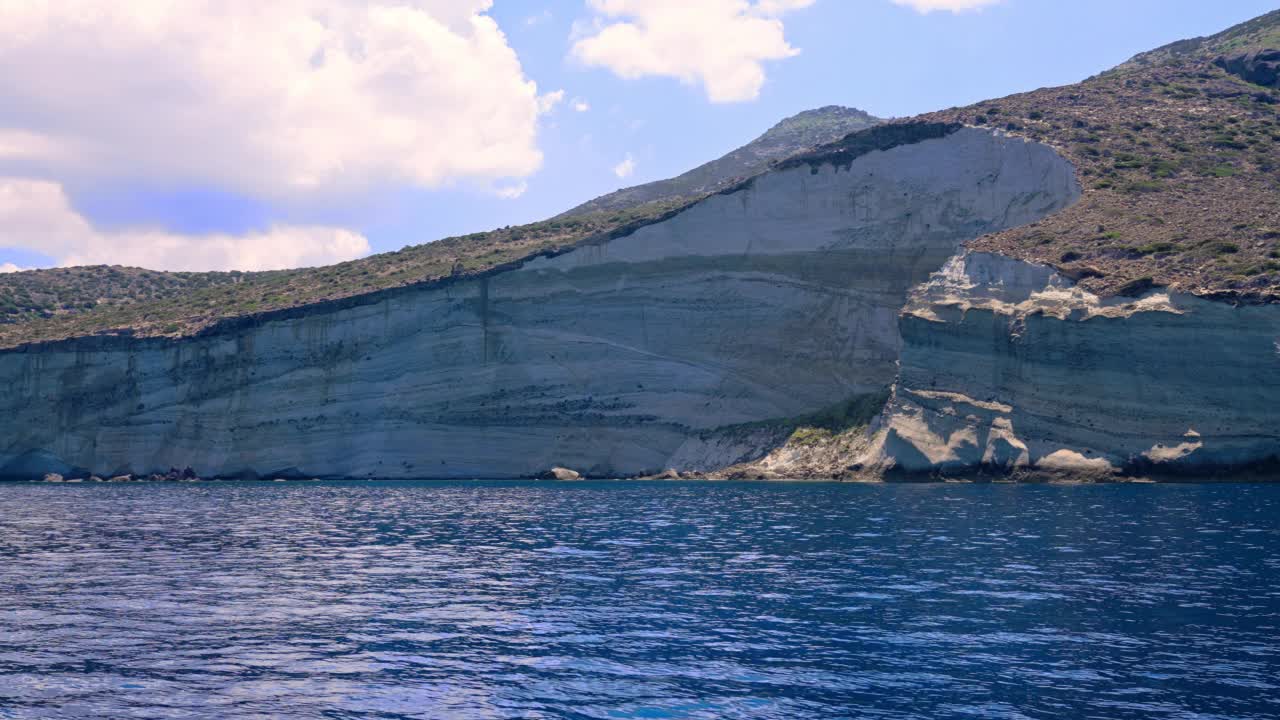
775	300
1009	366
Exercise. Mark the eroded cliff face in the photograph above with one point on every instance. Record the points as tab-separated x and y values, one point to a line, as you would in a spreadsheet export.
1006	365
774	301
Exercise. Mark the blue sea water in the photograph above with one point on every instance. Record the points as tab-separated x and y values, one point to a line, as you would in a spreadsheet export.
639	600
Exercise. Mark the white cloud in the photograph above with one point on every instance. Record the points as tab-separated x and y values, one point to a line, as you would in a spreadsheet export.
271	98
580	105
626	168
955	6
511	192
9	268
547	103
721	44
36	215
777	7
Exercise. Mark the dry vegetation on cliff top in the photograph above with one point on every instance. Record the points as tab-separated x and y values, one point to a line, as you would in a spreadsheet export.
49	305
1179	159
1180	163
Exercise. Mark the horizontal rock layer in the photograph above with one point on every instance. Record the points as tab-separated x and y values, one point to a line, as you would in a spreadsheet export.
1007	365
773	301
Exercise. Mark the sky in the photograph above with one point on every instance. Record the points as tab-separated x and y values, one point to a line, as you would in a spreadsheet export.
237	134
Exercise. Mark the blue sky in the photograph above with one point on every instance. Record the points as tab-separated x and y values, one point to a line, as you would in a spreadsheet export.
129	187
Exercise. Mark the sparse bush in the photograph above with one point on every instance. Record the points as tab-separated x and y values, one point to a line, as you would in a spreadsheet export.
1228	141
1143	186
809	436
1128	161
1162	168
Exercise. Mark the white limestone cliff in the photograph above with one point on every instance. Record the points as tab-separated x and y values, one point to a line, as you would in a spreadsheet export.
649	351
1006	366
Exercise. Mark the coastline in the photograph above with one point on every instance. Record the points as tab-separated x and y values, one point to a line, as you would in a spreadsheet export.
1021	478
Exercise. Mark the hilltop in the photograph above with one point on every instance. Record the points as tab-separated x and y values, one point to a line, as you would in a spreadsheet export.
808	129
1260	33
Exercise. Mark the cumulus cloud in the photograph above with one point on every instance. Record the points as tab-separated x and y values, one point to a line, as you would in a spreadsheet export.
273	99
580	105
36	215
928	6
626	168
721	44
9	268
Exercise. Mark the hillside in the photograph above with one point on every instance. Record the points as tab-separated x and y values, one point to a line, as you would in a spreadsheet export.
1179	155
43	305
26	297
805	130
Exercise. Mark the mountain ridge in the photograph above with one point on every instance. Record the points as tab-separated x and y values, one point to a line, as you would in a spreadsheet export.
807	129
1256	33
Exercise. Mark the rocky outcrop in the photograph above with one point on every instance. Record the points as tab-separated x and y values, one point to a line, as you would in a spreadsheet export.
659	349
808	453
1260	67
1007	366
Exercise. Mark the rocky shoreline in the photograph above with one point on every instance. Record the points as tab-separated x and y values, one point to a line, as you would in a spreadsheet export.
1262	474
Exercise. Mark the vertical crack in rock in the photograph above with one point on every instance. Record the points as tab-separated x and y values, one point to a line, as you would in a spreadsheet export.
483	309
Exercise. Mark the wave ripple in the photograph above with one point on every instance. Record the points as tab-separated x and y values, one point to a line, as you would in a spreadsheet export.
639	600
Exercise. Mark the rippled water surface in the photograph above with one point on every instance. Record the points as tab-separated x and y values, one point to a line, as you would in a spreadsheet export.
635	600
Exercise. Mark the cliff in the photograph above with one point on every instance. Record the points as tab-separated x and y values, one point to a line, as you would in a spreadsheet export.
1009	366
1079	281
774	300
1132	334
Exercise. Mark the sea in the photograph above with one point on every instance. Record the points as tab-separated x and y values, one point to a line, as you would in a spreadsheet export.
654	600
